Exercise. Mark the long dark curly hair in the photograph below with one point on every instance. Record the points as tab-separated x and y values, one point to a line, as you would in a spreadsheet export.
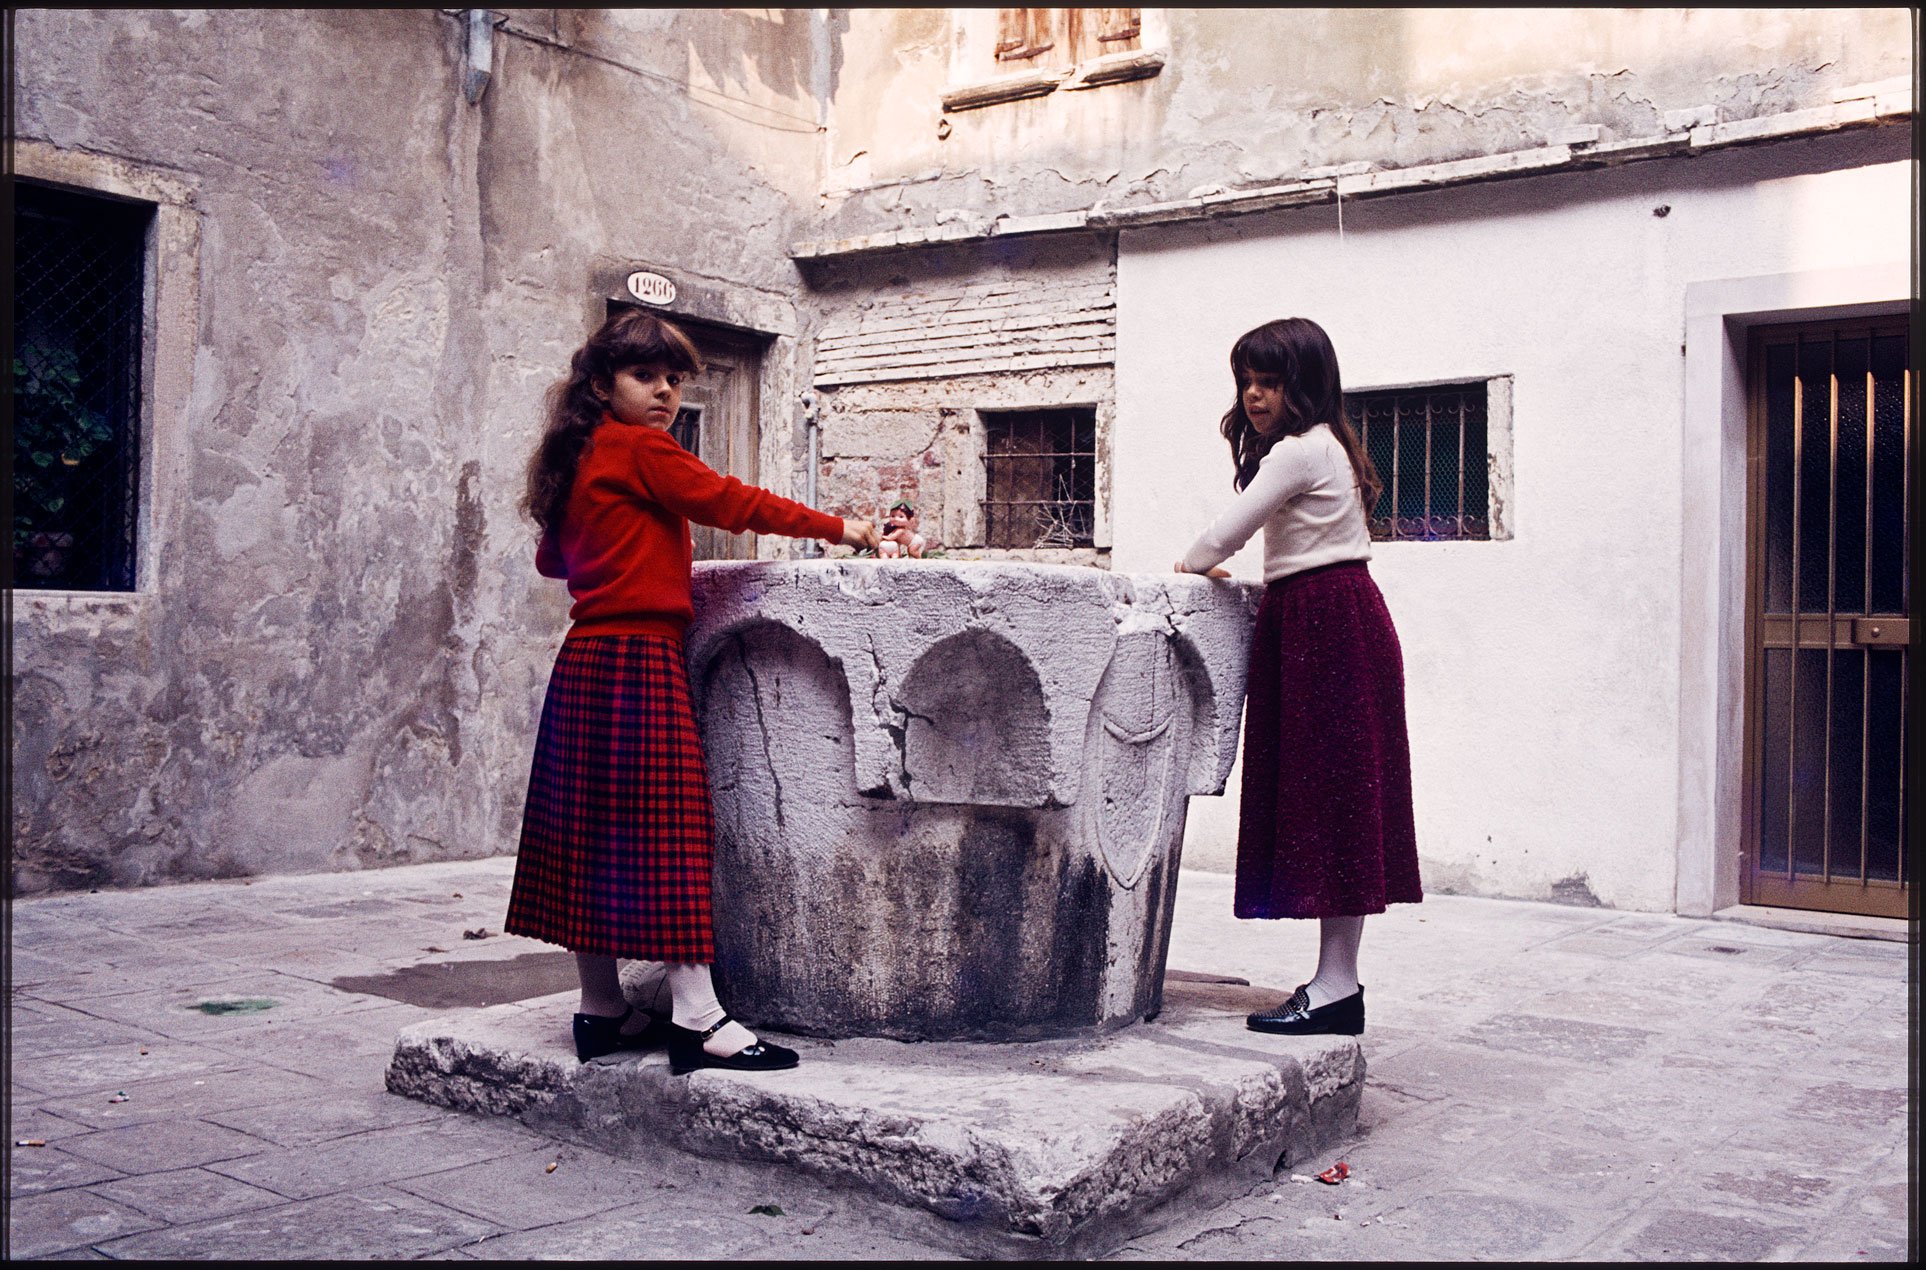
1299	353
630	338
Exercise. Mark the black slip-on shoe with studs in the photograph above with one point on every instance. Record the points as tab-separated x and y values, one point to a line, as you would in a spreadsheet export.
1343	1017
686	1053
597	1034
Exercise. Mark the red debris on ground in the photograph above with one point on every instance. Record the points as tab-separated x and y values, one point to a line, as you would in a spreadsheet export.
1335	1174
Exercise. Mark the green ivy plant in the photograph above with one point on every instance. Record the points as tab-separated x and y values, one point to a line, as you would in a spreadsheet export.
54	429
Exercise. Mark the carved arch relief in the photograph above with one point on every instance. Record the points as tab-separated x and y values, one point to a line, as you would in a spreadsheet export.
974	725
1138	753
776	730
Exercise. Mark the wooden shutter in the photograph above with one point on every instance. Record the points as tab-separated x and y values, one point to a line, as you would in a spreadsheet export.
1022	34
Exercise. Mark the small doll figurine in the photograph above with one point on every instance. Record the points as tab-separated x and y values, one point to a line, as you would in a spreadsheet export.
900	539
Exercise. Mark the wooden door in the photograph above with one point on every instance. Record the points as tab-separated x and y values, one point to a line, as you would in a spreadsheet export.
719	417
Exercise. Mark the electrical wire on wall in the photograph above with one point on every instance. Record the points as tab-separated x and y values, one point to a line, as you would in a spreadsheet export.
695	92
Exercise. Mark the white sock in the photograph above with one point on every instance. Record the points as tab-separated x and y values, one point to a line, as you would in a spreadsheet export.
696	1008
1337	960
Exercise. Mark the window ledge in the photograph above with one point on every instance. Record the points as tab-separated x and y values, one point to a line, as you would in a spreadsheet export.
1111	68
50	612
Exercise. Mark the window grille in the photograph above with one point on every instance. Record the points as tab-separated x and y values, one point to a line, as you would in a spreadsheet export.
1428	445
78	285
1040	477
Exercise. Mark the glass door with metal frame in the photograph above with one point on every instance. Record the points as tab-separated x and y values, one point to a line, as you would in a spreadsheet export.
1828	624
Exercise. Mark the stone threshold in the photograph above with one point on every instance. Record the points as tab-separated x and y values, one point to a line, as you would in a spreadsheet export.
1814	922
1039	1150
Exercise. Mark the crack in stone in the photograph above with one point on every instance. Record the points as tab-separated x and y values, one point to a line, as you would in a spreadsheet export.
1227	1229
762	724
901	733
888	714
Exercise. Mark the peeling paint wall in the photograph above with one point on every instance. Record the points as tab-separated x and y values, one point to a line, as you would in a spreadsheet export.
339	644
1249	97
338	655
1545	704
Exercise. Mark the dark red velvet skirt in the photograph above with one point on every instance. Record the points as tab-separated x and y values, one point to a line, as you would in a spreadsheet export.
617	833
1325	826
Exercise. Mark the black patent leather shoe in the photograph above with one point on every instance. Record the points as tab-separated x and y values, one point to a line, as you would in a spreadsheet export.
597	1034
1344	1017
686	1053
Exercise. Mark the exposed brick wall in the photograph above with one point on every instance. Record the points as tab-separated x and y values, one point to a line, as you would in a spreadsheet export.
977	327
911	350
923	440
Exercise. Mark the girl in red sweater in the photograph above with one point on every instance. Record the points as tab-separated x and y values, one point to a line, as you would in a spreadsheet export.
616	832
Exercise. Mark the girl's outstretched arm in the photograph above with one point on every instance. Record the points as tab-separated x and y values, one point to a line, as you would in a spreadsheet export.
689	487
1291	468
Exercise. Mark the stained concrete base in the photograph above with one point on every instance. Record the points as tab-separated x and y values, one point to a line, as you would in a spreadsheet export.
1047	1149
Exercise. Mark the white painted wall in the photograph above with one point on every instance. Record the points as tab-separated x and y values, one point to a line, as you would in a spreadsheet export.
1542	673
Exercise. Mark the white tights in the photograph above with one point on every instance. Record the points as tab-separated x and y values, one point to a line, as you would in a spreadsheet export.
691	991
1337	960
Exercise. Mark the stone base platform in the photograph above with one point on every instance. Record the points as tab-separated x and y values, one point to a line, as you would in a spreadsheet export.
1044	1149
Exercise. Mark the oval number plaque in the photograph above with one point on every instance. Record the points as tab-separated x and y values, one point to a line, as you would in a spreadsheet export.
651	288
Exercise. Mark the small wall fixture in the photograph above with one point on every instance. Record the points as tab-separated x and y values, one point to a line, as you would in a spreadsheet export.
477	52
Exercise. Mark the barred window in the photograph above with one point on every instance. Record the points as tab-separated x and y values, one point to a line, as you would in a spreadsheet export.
79	265
1429	447
1040	477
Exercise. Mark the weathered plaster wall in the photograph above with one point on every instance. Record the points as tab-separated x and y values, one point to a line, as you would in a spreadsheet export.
1251	96
587	170
338	646
1543	672
337	657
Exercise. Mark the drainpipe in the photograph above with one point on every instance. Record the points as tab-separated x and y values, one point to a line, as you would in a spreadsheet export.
812	423
477	52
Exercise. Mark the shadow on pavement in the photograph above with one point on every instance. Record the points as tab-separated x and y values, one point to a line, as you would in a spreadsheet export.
446	984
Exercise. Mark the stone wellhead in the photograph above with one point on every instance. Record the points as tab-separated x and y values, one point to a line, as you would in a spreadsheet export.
950	797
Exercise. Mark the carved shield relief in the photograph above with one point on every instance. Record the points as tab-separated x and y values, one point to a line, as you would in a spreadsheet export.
1137	750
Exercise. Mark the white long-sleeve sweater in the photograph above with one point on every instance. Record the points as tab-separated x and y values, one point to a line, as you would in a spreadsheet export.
1305	498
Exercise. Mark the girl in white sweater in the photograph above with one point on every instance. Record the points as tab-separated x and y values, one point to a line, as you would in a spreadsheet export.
1325	826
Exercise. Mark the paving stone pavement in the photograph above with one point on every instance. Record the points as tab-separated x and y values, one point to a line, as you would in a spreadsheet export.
1545	1082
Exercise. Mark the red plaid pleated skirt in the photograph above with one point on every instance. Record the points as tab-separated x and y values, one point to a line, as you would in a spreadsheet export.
1325	825
617	832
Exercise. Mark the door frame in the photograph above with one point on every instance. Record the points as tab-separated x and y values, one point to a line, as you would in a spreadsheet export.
1715	556
744	353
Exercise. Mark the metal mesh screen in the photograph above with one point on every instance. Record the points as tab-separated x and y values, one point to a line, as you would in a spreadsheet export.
1429	448
77	299
1040	478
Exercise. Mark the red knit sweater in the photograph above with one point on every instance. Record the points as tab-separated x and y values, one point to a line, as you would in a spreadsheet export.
624	542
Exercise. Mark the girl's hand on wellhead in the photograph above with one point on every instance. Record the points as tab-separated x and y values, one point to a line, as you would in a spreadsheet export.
1214	573
860	534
